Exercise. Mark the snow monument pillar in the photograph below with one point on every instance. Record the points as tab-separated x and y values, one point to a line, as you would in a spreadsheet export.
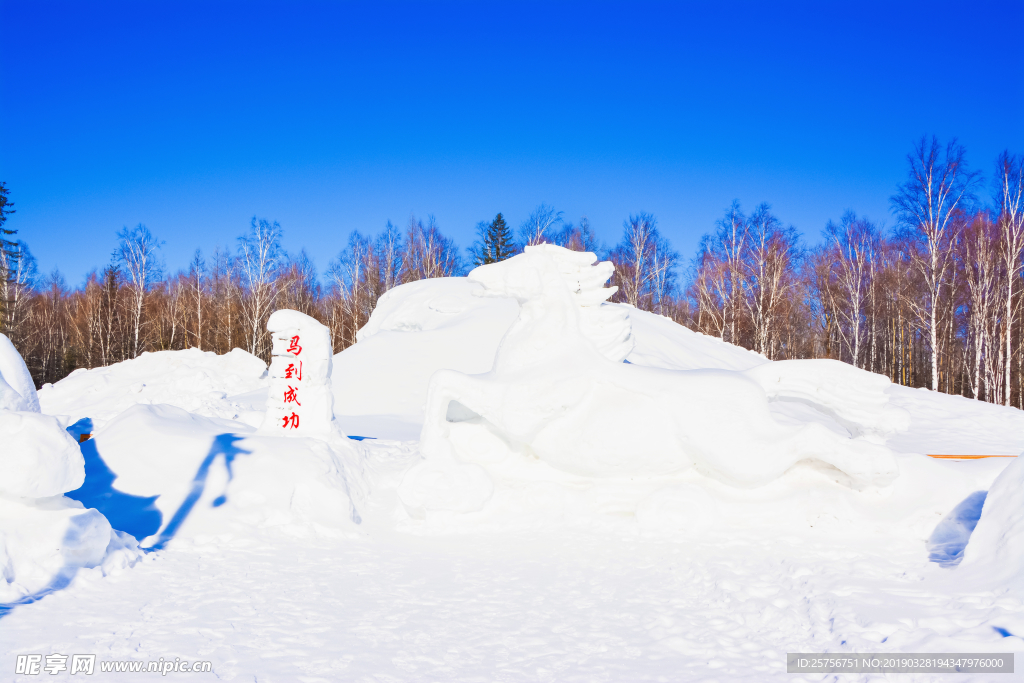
300	401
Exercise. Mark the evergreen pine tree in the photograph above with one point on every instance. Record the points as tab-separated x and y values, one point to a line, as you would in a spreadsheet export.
8	255
495	243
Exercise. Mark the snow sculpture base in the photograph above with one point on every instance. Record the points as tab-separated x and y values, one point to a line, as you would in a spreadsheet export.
559	392
300	402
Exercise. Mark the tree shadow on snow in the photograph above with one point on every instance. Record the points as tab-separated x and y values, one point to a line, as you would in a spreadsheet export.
223	445
135	515
946	544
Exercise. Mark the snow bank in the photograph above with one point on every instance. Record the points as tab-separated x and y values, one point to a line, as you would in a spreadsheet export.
200	382
45	537
555	392
997	544
17	391
38	458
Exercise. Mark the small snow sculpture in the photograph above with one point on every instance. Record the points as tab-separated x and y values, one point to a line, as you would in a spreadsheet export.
300	402
558	391
17	391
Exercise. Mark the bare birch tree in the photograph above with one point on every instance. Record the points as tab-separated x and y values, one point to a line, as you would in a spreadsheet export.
644	264
938	185
539	226
981	264
136	253
259	254
769	275
852	246
1010	203
732	244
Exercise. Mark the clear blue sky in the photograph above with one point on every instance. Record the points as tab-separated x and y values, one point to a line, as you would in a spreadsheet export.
329	117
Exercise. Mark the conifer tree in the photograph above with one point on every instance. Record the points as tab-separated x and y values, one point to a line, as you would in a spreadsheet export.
8	254
495	243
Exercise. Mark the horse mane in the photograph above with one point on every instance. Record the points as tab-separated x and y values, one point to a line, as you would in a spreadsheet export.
606	325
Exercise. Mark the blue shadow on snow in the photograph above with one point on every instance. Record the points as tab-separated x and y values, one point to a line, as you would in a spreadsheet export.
223	445
135	515
946	544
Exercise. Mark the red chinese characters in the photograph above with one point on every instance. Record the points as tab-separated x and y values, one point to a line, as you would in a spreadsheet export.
291	397
291	372
293	346
291	421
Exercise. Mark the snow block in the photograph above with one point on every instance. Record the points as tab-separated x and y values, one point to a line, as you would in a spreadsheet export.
300	401
38	458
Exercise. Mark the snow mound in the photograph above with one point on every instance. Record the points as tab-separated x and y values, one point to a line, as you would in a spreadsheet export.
554	393
997	544
200	382
38	459
164	474
17	391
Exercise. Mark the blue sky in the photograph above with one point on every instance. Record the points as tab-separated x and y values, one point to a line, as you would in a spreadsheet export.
329	117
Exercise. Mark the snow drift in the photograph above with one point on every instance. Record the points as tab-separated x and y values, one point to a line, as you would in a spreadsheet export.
997	545
200	382
558	391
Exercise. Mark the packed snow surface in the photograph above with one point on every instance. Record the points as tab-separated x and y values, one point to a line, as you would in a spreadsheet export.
299	559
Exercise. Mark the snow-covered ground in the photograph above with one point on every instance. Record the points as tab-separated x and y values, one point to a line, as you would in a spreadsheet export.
298	559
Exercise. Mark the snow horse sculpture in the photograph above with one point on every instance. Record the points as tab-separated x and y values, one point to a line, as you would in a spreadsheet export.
560	392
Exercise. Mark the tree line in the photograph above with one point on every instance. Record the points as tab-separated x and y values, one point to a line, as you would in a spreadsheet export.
935	301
